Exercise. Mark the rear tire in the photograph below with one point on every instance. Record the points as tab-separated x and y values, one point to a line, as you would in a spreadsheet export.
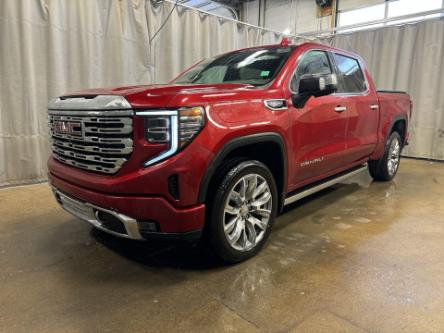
242	211
386	167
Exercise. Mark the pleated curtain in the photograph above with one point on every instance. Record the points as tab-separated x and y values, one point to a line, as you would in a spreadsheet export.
51	47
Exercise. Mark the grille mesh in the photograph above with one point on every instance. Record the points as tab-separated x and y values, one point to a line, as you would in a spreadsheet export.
97	143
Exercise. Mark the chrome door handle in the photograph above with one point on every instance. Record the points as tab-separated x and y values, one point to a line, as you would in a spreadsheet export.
340	108
374	106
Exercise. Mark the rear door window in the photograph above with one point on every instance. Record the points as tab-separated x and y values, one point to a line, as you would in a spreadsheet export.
351	77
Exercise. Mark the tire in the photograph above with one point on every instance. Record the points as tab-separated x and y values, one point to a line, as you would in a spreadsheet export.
242	211
386	167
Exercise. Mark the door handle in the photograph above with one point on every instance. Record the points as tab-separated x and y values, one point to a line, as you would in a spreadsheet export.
374	106
340	108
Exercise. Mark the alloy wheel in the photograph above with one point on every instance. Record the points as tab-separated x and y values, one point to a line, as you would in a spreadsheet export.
393	157
247	212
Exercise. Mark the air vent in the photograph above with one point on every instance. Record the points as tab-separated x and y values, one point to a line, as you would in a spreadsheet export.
173	186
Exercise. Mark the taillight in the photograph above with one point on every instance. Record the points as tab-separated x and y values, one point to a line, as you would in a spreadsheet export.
175	128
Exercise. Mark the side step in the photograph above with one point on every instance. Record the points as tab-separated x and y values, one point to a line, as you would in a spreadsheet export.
316	187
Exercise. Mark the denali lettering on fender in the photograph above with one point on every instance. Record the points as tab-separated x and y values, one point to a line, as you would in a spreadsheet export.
310	162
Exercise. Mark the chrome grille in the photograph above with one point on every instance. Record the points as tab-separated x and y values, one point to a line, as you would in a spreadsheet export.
99	143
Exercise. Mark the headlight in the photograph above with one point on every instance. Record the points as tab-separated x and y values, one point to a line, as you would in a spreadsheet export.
158	129
191	121
174	128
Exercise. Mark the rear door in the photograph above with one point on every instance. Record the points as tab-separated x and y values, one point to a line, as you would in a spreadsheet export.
318	129
362	106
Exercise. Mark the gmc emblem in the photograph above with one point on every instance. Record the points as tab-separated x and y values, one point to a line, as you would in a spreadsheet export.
67	127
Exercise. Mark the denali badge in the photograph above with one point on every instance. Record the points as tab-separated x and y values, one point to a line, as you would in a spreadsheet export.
67	127
310	162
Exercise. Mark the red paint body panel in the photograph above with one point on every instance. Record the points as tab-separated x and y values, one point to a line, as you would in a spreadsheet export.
142	208
340	140
391	107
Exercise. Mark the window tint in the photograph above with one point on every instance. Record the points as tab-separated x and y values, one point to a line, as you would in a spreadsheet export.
257	66
350	74
313	63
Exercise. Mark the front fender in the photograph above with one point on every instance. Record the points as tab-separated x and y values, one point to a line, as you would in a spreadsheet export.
239	142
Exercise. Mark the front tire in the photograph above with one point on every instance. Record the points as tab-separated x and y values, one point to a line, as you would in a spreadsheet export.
386	167
243	210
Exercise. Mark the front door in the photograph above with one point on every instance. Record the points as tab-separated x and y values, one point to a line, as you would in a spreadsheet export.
318	130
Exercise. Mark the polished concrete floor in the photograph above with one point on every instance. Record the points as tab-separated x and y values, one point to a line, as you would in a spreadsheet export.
354	258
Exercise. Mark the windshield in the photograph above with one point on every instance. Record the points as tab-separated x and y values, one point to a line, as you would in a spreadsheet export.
252	66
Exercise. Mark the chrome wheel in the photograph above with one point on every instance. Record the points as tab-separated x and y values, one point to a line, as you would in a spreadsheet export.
393	156
247	212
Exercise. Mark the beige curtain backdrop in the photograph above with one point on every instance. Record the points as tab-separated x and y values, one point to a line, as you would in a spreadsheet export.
409	58
50	47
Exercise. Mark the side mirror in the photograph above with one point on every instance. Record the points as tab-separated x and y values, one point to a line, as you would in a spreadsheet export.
316	86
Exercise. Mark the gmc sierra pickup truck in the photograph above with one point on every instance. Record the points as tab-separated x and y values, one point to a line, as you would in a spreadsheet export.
216	153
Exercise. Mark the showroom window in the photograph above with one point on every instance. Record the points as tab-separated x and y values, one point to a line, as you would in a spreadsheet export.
408	7
388	10
362	15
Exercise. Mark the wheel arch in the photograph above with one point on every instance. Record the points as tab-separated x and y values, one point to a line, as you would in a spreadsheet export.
242	145
399	124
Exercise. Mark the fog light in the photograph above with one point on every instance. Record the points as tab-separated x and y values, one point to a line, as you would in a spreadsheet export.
148	226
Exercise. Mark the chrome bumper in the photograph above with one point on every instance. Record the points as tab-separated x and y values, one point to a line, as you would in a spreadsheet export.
91	213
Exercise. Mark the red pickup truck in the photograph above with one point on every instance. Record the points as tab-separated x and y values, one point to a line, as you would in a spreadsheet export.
216	153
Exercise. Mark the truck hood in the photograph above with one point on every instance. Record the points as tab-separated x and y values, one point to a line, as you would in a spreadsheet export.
172	95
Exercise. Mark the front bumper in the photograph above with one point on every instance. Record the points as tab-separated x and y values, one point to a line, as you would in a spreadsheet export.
91	214
129	216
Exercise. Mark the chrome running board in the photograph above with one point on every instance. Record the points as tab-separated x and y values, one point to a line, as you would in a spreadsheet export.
304	192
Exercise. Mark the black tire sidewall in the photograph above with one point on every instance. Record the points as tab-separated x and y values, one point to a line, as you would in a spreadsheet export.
218	239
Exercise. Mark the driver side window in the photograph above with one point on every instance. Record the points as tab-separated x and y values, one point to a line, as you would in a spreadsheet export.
312	63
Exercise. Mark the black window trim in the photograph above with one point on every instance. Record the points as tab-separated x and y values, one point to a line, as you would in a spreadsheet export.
336	70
